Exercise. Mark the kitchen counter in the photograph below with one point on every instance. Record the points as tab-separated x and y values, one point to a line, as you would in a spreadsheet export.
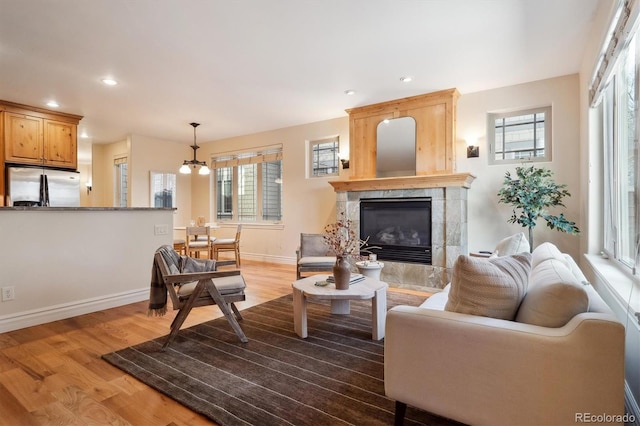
68	261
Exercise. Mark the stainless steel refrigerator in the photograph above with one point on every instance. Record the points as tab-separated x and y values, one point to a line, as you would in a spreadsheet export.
38	186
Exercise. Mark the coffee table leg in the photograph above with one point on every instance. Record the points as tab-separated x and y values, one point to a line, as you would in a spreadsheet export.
299	313
379	313
340	306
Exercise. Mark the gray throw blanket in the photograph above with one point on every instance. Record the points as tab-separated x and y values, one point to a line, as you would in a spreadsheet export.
177	264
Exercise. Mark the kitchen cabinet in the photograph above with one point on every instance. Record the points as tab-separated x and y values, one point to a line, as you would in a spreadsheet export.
35	140
33	135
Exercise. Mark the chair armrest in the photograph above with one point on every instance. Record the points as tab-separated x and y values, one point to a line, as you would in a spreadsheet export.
197	276
481	370
225	263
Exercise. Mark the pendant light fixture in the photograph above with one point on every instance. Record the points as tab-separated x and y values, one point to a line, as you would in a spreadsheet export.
187	164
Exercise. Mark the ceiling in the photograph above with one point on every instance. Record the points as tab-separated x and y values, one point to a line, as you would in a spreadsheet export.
240	67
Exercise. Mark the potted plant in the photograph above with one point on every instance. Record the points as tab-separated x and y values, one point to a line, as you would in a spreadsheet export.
531	193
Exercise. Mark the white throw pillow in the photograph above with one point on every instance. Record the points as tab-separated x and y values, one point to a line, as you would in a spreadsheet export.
514	244
489	287
554	296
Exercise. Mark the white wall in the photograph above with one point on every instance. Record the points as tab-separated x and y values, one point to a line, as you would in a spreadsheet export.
309	203
149	154
487	217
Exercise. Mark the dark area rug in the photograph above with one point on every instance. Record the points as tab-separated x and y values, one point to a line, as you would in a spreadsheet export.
333	377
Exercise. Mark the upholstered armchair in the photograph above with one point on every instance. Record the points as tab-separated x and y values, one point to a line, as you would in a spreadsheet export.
313	255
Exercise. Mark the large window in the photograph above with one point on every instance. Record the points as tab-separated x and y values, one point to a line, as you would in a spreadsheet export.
620	118
323	157
248	186
520	136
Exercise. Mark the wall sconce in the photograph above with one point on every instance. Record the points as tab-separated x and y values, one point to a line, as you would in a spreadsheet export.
345	163
89	187
473	151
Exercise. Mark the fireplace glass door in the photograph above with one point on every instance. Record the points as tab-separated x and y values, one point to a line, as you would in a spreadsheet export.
401	227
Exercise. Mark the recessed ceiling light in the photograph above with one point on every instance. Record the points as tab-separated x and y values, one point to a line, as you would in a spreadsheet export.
109	81
53	104
84	134
406	79
349	92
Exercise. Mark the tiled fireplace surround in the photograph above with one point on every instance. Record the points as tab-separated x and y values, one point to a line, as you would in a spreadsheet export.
448	232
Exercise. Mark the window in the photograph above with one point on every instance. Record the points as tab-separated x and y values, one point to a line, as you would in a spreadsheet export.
121	181
163	189
619	109
324	157
248	186
520	136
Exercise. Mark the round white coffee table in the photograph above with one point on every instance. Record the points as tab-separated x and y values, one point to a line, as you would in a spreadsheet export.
368	288
370	268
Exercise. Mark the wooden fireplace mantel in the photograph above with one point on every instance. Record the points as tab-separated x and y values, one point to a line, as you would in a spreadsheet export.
404	182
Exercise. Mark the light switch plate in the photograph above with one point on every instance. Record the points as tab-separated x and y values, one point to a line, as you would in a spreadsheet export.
161	229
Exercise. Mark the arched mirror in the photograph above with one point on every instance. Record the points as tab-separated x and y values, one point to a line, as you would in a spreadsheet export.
396	147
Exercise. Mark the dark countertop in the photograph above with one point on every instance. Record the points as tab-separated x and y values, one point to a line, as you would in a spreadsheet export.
95	209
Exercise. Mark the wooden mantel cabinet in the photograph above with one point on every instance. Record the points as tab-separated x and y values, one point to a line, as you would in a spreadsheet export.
37	136
435	116
32	135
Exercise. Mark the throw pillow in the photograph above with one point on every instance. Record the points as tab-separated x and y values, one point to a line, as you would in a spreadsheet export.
489	287
514	244
554	296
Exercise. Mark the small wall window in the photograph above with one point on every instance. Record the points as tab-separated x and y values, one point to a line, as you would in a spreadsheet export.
519	136
324	157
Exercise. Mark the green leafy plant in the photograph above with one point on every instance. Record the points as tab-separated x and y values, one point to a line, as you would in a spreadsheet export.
531	193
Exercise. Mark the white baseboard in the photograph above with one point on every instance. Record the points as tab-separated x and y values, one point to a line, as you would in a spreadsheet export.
258	257
72	309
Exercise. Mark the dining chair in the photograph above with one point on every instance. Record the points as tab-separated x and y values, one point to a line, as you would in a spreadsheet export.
228	244
198	238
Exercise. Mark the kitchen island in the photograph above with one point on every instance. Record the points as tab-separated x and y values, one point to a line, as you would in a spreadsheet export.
68	261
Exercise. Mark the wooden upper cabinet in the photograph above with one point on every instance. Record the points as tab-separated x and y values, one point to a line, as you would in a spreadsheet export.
435	116
60	144
23	139
34	135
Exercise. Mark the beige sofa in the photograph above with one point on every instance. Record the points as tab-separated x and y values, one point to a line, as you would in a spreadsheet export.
487	371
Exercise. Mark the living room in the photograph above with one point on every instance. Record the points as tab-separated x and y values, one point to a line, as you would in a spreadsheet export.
310	203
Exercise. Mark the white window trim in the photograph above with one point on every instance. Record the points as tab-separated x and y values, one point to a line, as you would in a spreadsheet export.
548	131
309	156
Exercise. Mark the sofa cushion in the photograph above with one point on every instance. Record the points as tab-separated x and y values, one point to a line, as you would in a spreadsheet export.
489	287
317	260
554	296
514	244
546	251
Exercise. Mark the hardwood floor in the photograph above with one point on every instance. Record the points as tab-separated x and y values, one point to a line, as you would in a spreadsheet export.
53	374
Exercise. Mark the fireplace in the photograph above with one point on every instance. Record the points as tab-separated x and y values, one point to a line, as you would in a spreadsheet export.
401	227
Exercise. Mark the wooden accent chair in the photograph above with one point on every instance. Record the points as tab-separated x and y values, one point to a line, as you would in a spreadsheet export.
228	244
198	238
191	289
313	255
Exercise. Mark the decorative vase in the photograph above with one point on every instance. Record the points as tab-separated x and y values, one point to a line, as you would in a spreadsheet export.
341	273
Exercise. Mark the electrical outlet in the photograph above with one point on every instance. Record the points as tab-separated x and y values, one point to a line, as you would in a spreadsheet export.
161	229
8	293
